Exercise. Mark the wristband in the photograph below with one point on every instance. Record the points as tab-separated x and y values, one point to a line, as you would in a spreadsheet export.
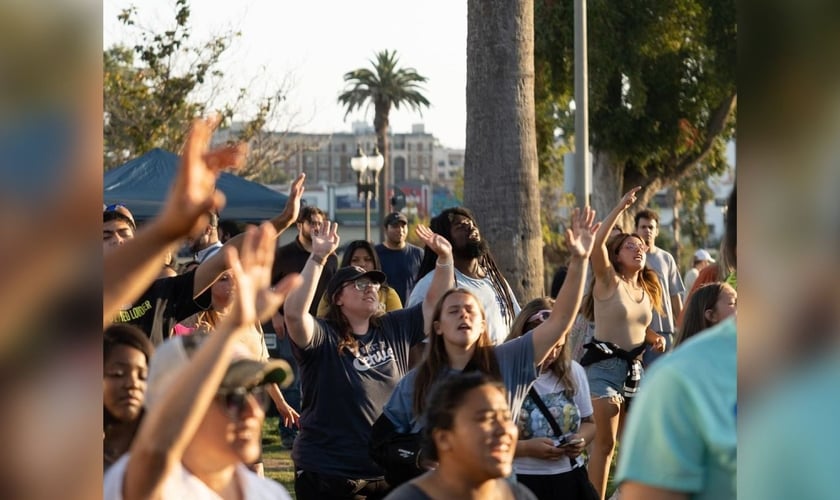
448	264
320	261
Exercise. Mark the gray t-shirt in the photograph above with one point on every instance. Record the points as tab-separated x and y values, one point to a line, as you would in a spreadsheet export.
669	277
342	394
494	306
516	364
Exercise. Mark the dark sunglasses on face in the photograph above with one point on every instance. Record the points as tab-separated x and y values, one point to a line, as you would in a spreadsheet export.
235	401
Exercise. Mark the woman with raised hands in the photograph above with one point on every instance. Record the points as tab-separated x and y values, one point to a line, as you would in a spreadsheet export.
459	342
350	362
621	303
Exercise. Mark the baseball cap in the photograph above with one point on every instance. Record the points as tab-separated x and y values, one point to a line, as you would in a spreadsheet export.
395	217
118	211
351	273
701	255
173	355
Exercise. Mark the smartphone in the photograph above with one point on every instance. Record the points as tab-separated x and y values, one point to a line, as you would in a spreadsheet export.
572	442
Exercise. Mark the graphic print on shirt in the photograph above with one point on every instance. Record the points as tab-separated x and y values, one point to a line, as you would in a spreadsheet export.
373	355
532	422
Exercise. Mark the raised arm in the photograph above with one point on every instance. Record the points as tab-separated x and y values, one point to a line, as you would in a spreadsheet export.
444	272
580	239
210	270
600	257
171	424
132	267
299	323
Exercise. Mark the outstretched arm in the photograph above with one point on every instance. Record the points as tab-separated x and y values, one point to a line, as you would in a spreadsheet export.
580	239
300	324
210	270
600	257
444	272
131	268
170	425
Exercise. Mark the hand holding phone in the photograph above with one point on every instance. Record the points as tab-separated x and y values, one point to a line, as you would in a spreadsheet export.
571	442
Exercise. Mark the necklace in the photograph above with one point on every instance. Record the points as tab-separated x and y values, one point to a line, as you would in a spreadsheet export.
635	288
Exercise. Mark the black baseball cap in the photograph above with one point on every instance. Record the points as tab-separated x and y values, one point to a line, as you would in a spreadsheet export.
351	273
395	217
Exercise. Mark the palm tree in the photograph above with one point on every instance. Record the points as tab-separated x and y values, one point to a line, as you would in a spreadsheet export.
500	161
384	86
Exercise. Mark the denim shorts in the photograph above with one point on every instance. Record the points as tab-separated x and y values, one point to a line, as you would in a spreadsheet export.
606	378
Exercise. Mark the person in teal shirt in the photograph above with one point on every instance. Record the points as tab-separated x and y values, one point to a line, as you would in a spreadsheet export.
680	439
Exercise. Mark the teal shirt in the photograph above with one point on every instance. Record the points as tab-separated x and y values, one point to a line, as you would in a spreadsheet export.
790	440
681	432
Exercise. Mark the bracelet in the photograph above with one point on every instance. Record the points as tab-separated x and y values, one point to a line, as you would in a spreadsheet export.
448	264
318	261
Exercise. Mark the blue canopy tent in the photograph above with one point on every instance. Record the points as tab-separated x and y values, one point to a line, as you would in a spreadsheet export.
143	183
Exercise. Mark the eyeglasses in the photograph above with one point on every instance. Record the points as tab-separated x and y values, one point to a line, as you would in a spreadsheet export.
539	317
363	284
629	245
235	401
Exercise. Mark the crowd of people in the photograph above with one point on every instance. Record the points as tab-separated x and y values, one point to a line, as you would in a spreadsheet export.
406	372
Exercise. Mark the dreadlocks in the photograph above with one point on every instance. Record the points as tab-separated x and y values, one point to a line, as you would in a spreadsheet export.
442	224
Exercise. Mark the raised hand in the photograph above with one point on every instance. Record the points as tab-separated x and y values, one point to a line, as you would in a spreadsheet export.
193	193
250	267
326	240
292	209
437	243
629	198
580	237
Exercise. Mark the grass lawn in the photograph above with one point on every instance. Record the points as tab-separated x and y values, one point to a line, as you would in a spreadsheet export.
278	462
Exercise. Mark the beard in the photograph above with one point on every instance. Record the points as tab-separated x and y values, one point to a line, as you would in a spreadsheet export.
472	250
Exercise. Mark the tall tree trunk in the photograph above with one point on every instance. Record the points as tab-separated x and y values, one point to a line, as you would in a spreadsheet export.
500	164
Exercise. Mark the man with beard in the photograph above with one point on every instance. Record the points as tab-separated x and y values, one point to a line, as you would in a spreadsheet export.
475	270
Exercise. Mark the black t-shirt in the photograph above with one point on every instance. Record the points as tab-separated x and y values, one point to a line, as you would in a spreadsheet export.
290	259
400	266
343	394
165	303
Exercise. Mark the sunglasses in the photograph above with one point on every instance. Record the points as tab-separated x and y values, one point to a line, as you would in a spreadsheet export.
235	401
539	317
120	209
363	284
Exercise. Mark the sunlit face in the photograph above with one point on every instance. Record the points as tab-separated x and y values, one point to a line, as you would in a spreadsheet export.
115	232
396	233
225	437
124	382
725	305
632	254
461	320
483	437
360	296
648	229
362	258
463	231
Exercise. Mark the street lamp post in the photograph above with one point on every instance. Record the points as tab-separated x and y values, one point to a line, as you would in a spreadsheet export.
367	178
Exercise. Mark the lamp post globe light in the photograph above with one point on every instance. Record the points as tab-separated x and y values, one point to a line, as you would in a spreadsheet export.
367	178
